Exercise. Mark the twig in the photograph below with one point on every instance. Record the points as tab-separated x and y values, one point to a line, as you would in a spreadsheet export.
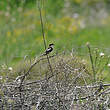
95	86
86	97
32	65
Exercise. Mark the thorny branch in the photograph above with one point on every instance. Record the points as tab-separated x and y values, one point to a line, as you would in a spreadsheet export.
32	65
55	94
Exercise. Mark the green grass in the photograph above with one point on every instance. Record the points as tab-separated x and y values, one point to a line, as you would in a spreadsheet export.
21	35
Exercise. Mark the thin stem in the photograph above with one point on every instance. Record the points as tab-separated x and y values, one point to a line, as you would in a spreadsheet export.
92	63
42	25
43	33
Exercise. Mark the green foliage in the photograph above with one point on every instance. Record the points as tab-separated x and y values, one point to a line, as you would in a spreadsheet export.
21	29
21	34
55	7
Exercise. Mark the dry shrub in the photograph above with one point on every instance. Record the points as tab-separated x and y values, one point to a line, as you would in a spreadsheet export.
70	87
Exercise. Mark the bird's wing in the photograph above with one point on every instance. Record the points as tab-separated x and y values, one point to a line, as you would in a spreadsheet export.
48	49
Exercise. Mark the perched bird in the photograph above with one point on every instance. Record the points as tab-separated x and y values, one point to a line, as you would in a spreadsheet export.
49	49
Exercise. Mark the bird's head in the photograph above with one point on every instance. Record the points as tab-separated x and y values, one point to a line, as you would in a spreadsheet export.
51	45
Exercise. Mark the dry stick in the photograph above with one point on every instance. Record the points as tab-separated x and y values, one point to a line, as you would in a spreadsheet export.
91	59
43	33
32	65
101	93
38	81
95	86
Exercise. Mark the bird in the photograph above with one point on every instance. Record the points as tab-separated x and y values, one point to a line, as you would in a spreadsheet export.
49	49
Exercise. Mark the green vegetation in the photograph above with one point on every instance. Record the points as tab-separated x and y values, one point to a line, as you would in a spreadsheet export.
74	74
20	28
23	37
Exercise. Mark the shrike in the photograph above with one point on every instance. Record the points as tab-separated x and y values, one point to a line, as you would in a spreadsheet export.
49	49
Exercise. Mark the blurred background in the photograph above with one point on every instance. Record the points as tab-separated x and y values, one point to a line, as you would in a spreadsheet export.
67	23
